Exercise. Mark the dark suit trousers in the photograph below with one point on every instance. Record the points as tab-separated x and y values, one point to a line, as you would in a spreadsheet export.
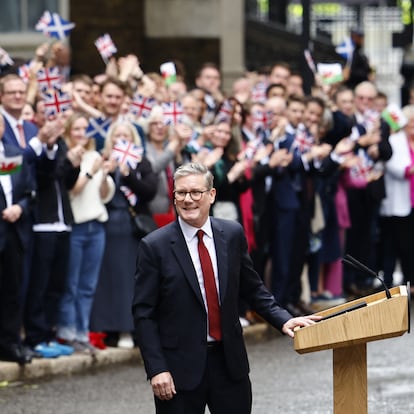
46	285
11	258
217	390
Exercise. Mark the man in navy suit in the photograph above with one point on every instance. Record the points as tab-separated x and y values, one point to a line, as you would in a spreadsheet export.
13	93
190	367
16	193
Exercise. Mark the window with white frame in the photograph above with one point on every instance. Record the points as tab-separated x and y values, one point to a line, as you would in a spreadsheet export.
18	19
22	15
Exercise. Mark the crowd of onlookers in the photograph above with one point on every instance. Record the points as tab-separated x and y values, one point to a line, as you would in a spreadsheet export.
309	177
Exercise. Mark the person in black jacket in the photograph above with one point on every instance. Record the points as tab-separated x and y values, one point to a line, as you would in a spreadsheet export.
57	170
360	69
16	193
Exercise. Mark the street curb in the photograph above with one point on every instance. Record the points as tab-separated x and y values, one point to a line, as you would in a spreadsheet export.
67	365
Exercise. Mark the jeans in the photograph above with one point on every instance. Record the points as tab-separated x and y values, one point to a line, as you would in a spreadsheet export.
87	244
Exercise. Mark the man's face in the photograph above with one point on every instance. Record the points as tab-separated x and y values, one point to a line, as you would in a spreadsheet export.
194	213
209	80
275	109
280	75
191	107
13	98
313	114
295	112
84	90
365	98
112	98
222	135
345	102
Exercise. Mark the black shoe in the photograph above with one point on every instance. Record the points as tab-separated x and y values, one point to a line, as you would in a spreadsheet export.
15	353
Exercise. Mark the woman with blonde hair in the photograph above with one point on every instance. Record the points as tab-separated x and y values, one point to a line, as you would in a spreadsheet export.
135	186
92	190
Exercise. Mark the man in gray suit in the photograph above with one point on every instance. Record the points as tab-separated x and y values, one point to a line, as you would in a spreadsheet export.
191	339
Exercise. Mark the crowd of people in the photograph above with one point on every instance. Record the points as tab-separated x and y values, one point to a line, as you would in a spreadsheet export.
309	177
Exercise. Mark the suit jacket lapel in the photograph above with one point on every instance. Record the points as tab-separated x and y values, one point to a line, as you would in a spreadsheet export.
222	257
180	250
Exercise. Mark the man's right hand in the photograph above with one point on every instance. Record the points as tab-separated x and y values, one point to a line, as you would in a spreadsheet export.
163	386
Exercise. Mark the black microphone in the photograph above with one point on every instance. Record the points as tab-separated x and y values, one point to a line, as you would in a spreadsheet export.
349	260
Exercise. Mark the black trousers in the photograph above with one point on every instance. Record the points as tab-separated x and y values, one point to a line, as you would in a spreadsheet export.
11	268
46	285
217	390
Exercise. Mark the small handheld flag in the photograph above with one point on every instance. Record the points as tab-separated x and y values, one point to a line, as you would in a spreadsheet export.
141	106
127	152
56	102
10	165
56	27
330	73
173	113
5	59
393	115
49	78
346	50
105	46
168	72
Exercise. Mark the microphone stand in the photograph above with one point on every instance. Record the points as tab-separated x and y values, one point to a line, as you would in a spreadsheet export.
351	261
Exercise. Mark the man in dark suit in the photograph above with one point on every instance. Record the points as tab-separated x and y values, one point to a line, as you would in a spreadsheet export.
15	203
13	94
193	348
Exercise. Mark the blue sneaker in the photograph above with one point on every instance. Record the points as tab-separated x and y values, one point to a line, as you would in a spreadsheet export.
64	350
46	351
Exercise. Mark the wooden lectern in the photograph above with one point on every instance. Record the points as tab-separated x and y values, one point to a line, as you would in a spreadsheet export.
374	317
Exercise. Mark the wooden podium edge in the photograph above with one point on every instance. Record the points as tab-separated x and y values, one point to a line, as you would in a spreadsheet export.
356	327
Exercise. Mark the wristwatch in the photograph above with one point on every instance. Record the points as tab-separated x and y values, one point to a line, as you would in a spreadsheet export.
89	176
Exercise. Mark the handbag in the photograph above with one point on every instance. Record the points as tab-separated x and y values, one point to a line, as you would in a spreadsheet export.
144	223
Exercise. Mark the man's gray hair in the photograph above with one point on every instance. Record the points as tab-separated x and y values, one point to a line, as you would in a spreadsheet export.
195	168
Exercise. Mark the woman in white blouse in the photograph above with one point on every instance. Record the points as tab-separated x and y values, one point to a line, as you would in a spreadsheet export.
93	189
398	207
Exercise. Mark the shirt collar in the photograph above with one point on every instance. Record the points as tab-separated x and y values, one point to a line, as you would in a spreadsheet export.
10	119
190	232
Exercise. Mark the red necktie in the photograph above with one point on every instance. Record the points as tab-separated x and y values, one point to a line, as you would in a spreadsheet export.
214	323
22	140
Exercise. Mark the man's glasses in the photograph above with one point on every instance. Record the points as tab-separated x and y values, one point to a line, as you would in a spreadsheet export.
14	92
195	195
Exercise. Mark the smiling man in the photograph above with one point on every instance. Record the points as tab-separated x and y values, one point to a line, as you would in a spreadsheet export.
190	276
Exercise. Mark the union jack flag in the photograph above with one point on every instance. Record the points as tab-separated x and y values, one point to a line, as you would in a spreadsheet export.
56	102
303	140
57	27
44	21
141	106
251	147
5	59
105	46
371	118
259	92
48	78
225	112
261	120
24	72
173	113
127	152
363	167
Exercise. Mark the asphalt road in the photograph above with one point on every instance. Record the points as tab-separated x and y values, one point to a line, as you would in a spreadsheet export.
283	382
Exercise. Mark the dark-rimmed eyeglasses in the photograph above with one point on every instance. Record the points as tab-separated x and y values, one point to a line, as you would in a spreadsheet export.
194	194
